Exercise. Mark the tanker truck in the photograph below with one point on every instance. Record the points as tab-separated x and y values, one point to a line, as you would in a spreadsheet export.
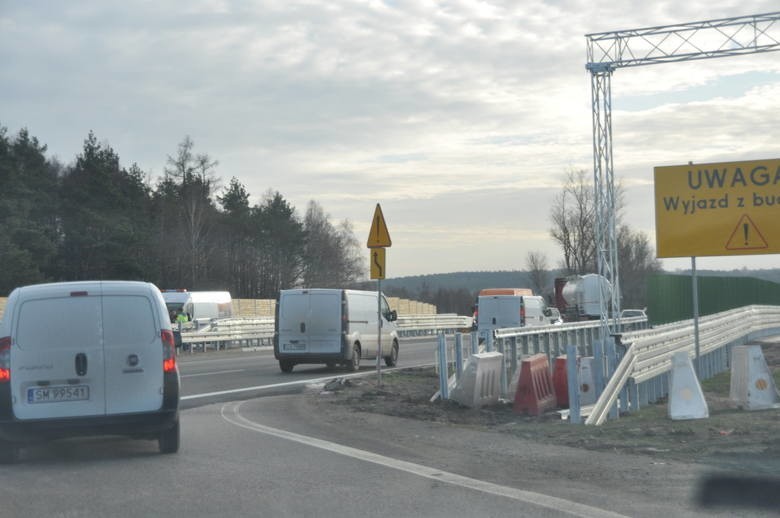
577	296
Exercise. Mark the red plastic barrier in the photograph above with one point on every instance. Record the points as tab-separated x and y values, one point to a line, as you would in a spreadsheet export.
535	392
561	382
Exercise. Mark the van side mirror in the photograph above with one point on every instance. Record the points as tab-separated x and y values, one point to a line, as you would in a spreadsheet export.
393	316
547	312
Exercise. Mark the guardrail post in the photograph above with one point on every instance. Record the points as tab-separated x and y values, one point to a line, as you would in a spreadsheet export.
598	367
444	388
489	342
458	355
513	357
633	394
474	342
573	382
502	377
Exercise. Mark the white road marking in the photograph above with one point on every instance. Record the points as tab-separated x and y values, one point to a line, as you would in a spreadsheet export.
211	373
231	412
294	383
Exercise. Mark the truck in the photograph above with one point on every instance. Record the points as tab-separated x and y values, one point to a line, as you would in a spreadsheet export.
577	296
199	306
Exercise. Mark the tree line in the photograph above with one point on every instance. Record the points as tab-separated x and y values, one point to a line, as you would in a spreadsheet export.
95	219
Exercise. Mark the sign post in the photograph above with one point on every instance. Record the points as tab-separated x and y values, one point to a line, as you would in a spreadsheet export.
378	241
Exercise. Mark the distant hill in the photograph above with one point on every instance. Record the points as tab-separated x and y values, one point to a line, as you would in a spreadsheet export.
469	281
475	281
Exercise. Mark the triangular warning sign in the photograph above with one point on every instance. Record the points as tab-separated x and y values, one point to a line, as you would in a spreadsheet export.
746	236
378	236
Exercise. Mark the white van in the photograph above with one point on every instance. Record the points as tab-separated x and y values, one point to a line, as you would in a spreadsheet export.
199	306
504	311
87	358
332	326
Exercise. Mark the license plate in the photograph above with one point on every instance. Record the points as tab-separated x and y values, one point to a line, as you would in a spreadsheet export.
295	347
58	393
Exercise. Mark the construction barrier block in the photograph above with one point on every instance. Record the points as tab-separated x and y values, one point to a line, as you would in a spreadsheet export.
686	399
752	385
587	381
479	382
535	392
561	382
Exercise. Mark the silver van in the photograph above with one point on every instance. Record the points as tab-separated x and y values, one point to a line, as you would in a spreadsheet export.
87	358
332	326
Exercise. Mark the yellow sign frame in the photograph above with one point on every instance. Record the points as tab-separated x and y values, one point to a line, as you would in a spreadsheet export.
378	236
729	208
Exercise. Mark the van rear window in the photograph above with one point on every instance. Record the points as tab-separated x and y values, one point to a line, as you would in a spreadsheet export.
59	322
128	320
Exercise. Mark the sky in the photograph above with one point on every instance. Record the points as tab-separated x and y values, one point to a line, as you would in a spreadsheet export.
460	118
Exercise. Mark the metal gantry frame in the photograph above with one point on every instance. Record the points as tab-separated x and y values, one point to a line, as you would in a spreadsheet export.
608	51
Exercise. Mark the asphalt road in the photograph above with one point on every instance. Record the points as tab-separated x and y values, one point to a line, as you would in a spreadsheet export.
228	375
251	450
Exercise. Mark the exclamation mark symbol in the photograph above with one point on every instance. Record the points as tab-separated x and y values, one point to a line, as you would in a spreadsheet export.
745	231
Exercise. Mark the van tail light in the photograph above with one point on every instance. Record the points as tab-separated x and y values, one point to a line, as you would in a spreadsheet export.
169	351
5	359
522	315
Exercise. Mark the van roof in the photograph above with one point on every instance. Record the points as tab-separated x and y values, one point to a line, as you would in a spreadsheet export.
102	287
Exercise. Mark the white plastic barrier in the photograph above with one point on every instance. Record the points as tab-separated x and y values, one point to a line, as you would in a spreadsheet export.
479	384
686	399
752	386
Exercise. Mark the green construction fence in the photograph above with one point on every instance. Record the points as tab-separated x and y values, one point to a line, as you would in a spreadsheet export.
670	296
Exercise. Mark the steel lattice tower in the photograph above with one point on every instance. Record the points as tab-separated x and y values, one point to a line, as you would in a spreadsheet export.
608	51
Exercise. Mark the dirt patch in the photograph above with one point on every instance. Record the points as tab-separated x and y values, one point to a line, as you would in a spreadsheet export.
733	438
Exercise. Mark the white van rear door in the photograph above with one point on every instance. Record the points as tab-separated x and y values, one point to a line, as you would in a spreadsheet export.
133	354
323	327
57	360
293	313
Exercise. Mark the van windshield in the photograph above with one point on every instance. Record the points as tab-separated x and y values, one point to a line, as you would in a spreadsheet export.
69	321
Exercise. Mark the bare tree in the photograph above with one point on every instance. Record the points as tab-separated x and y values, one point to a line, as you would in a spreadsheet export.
573	217
331	254
194	180
637	260
536	265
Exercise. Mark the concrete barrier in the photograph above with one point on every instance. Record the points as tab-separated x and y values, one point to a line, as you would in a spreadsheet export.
686	399
752	386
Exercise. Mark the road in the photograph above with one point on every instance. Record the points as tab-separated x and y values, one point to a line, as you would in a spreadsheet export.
225	376
276	455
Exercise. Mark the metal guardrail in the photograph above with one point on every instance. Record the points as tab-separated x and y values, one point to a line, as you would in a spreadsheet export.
416	325
230	332
256	332
641	377
553	339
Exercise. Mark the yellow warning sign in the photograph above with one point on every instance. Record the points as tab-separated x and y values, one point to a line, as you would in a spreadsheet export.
377	263
729	208
746	236
378	236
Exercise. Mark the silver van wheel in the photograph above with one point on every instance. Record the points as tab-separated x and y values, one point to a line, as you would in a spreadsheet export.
392	359
354	365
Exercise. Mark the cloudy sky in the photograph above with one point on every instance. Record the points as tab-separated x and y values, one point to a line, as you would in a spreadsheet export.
459	117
